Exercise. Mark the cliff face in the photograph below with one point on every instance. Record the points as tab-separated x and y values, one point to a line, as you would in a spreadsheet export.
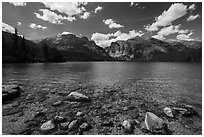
139	49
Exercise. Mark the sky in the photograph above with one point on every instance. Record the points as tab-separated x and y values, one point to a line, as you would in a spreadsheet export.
105	22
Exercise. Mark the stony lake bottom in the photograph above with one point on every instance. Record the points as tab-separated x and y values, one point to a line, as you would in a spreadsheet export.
118	90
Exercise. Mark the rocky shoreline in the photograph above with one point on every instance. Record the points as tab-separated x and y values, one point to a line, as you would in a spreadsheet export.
110	111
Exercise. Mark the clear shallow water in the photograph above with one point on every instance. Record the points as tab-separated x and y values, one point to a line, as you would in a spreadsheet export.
165	82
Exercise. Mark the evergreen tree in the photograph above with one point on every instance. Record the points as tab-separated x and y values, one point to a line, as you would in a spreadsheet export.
24	50
15	43
45	51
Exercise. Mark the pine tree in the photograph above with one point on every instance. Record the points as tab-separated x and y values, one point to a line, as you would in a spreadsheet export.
24	50
45	51
15	43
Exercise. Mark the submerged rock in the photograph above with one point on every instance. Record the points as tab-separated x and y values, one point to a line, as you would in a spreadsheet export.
10	92
168	112
75	96
49	125
153	122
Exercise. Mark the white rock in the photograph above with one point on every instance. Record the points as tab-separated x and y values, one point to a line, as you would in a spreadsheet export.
126	125
78	96
79	114
168	112
153	122
84	126
73	125
57	103
47	126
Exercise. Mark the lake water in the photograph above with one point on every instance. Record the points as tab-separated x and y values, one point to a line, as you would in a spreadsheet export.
181	80
147	86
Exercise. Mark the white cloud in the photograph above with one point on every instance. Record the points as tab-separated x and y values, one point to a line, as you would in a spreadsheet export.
132	4
69	8
19	3
191	17
52	17
175	11
191	7
111	24
98	9
183	31
8	28
85	15
105	40
169	30
185	37
19	24
160	37
35	26
166	31
65	33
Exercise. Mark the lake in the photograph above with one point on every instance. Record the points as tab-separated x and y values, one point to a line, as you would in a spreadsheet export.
158	82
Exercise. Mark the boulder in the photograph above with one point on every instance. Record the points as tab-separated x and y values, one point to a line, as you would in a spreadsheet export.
75	96
10	92
79	114
168	112
59	119
73	125
64	126
127	126
49	125
84	126
187	111
57	103
153	122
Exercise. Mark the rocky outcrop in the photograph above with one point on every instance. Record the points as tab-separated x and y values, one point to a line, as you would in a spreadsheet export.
141	49
10	92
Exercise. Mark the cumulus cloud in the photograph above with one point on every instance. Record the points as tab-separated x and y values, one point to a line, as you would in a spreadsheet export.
112	24
35	26
22	4
98	9
52	17
105	40
68	8
185	37
160	37
191	17
166	31
175	11
191	7
134	4
8	28
19	23
85	15
169	30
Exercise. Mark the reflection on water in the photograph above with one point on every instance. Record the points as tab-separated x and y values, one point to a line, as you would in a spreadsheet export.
165	81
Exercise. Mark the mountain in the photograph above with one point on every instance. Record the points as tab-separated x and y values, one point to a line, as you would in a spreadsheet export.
23	51
151	49
75	48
